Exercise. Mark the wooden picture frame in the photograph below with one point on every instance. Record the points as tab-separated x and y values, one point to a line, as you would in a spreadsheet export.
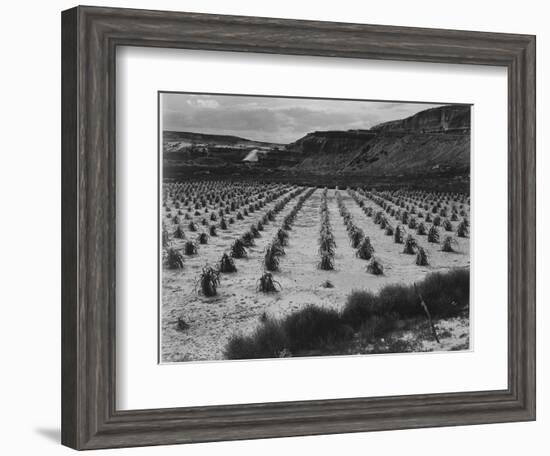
90	36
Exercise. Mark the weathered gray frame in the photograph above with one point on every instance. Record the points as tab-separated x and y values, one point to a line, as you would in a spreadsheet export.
90	36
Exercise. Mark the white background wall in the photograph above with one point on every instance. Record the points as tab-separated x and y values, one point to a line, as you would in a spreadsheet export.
30	225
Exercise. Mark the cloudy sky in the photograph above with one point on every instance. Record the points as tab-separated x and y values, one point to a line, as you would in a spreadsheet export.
279	120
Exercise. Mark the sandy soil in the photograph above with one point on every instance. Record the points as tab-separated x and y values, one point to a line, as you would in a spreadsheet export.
238	306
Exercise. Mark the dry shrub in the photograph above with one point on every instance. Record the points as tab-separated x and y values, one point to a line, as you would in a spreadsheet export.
433	234
356	236
227	264
179	233
375	267
267	284
173	259
254	231
327	262
421	229
209	281
410	245
462	230
365	249
238	249
422	257
190	248
248	239
399	234
282	235
271	259
448	244
327	243
165	237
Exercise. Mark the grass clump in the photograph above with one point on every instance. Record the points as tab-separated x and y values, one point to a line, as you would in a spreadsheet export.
433	235
173	259
399	234
165	238
312	327
190	248
238	249
327	262
365	249
356	236
410	245
462	229
449	244
375	267
277	247
327	244
307	329
209	281
445	293
282	235
179	233
267	284
254	231
268	341
271	259
227	265
248	239
422	257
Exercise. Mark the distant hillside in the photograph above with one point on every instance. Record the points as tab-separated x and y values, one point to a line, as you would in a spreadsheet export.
175	140
428	145
431	141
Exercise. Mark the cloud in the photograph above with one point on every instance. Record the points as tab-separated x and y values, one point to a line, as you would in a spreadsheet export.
203	103
275	119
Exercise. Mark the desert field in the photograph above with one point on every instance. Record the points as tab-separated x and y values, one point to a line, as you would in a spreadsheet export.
310	246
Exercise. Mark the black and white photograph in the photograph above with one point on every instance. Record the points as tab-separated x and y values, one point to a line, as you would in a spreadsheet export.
293	227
